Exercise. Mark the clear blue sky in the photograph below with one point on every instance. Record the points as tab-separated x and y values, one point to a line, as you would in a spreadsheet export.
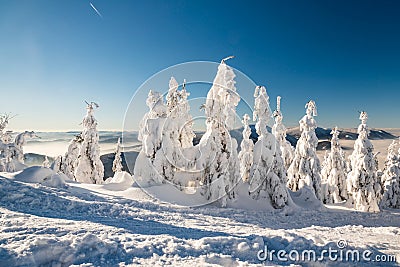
54	54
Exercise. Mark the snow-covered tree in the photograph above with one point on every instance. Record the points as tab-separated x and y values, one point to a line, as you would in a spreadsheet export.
391	179
20	142
279	131
246	152
220	164
56	166
70	160
177	135
150	134
363	185
117	163
46	162
90	169
9	165
305	169
334	173
7	137
268	174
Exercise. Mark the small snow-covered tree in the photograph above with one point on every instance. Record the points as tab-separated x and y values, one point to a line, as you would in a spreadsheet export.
46	162
220	165
56	166
334	173
117	163
20	142
391	179
268	174
9	165
90	169
305	168
362	181
70	160
279	131
246	152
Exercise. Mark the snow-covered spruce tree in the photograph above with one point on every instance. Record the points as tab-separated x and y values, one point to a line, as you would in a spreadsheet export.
70	160
279	131
19	143
90	169
56	166
150	134
117	163
305	169
268	174
46	162
220	165
246	150
362	183
177	135
391	179
334	175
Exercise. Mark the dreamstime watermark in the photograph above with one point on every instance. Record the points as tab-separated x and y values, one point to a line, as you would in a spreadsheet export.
341	253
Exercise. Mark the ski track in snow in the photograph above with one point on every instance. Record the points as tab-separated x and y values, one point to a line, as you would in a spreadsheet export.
88	225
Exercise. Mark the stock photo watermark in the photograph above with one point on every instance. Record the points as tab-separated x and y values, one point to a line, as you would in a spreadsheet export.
340	253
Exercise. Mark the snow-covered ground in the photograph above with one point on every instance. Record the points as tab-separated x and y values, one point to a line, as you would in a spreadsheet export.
95	225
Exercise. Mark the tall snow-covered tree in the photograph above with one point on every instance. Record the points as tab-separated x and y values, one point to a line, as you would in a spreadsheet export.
305	169
70	160
363	185
117	163
90	169
334	175
279	131
391	179
246	151
177	135
220	165
268	174
150	134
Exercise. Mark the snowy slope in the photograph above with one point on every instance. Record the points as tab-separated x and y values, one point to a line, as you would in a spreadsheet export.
90	225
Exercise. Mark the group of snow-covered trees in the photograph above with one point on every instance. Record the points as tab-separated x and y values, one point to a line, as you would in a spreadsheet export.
268	167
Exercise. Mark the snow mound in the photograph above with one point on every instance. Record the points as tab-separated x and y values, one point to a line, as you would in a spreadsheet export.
305	198
44	176
121	181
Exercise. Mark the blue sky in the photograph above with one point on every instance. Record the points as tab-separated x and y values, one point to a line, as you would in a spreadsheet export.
55	54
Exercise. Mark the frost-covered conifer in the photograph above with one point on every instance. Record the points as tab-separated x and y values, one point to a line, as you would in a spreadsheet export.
220	164
391	179
305	168
117	163
46	162
246	152
70	160
150	134
334	173
279	131
177	134
268	174
90	169
362	181
56	166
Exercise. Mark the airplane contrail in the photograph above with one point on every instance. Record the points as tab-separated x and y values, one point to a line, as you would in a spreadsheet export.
95	9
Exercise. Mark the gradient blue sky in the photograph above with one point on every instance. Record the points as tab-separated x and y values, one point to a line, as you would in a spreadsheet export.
54	54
